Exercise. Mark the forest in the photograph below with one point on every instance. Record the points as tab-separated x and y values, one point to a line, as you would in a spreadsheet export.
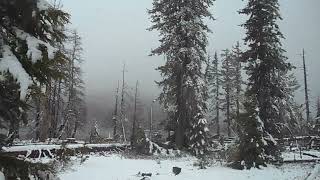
232	113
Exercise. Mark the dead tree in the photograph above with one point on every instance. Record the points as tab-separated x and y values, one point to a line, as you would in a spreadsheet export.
306	90
115	113
122	111
134	124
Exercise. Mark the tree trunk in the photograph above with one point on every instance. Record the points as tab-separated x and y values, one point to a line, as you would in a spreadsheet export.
133	139
181	111
57	113
38	114
47	115
306	90
115	114
122	105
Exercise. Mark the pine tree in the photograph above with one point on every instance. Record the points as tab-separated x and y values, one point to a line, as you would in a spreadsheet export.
12	109
183	43
214	81
238	82
229	88
289	114
251	149
74	89
266	62
94	133
29	31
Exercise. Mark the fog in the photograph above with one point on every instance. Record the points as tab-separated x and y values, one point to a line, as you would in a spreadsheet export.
114	32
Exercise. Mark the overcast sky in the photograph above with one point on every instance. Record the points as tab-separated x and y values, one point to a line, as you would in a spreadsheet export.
114	32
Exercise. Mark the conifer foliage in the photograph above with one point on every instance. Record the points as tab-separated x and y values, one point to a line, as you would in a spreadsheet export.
183	43
29	33
228	86
214	82
265	63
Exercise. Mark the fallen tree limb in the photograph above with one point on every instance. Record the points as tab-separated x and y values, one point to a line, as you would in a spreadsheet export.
311	155
40	151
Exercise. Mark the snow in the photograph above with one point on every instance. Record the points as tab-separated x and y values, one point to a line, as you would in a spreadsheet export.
315	173
10	63
33	46
55	146
117	167
295	155
43	5
2	176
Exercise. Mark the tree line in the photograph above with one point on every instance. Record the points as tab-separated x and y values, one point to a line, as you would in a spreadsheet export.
251	90
253	87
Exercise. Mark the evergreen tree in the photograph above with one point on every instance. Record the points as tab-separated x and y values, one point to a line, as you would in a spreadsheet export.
74	89
251	149
214	81
183	43
238	83
29	31
229	88
12	109
266	62
289	114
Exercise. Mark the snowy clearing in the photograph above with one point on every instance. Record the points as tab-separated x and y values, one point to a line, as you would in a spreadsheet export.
116	167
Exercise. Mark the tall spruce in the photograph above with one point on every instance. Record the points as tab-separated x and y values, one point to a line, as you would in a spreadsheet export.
289	113
214	82
228	86
239	82
183	43
265	62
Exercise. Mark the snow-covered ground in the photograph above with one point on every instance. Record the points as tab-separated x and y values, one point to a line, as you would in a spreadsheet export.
295	155
117	167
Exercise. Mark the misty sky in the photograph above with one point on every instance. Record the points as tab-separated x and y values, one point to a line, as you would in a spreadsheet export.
114	32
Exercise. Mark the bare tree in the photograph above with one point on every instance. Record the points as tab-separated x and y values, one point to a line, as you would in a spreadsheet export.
306	90
115	113
122	105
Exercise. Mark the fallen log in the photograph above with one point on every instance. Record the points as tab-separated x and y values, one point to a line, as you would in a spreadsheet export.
50	151
311	155
301	161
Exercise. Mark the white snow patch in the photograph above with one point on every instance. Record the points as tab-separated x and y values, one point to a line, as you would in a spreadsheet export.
116	167
43	5
9	62
33	46
315	173
2	176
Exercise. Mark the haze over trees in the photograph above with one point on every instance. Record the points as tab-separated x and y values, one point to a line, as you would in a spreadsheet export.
237	106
